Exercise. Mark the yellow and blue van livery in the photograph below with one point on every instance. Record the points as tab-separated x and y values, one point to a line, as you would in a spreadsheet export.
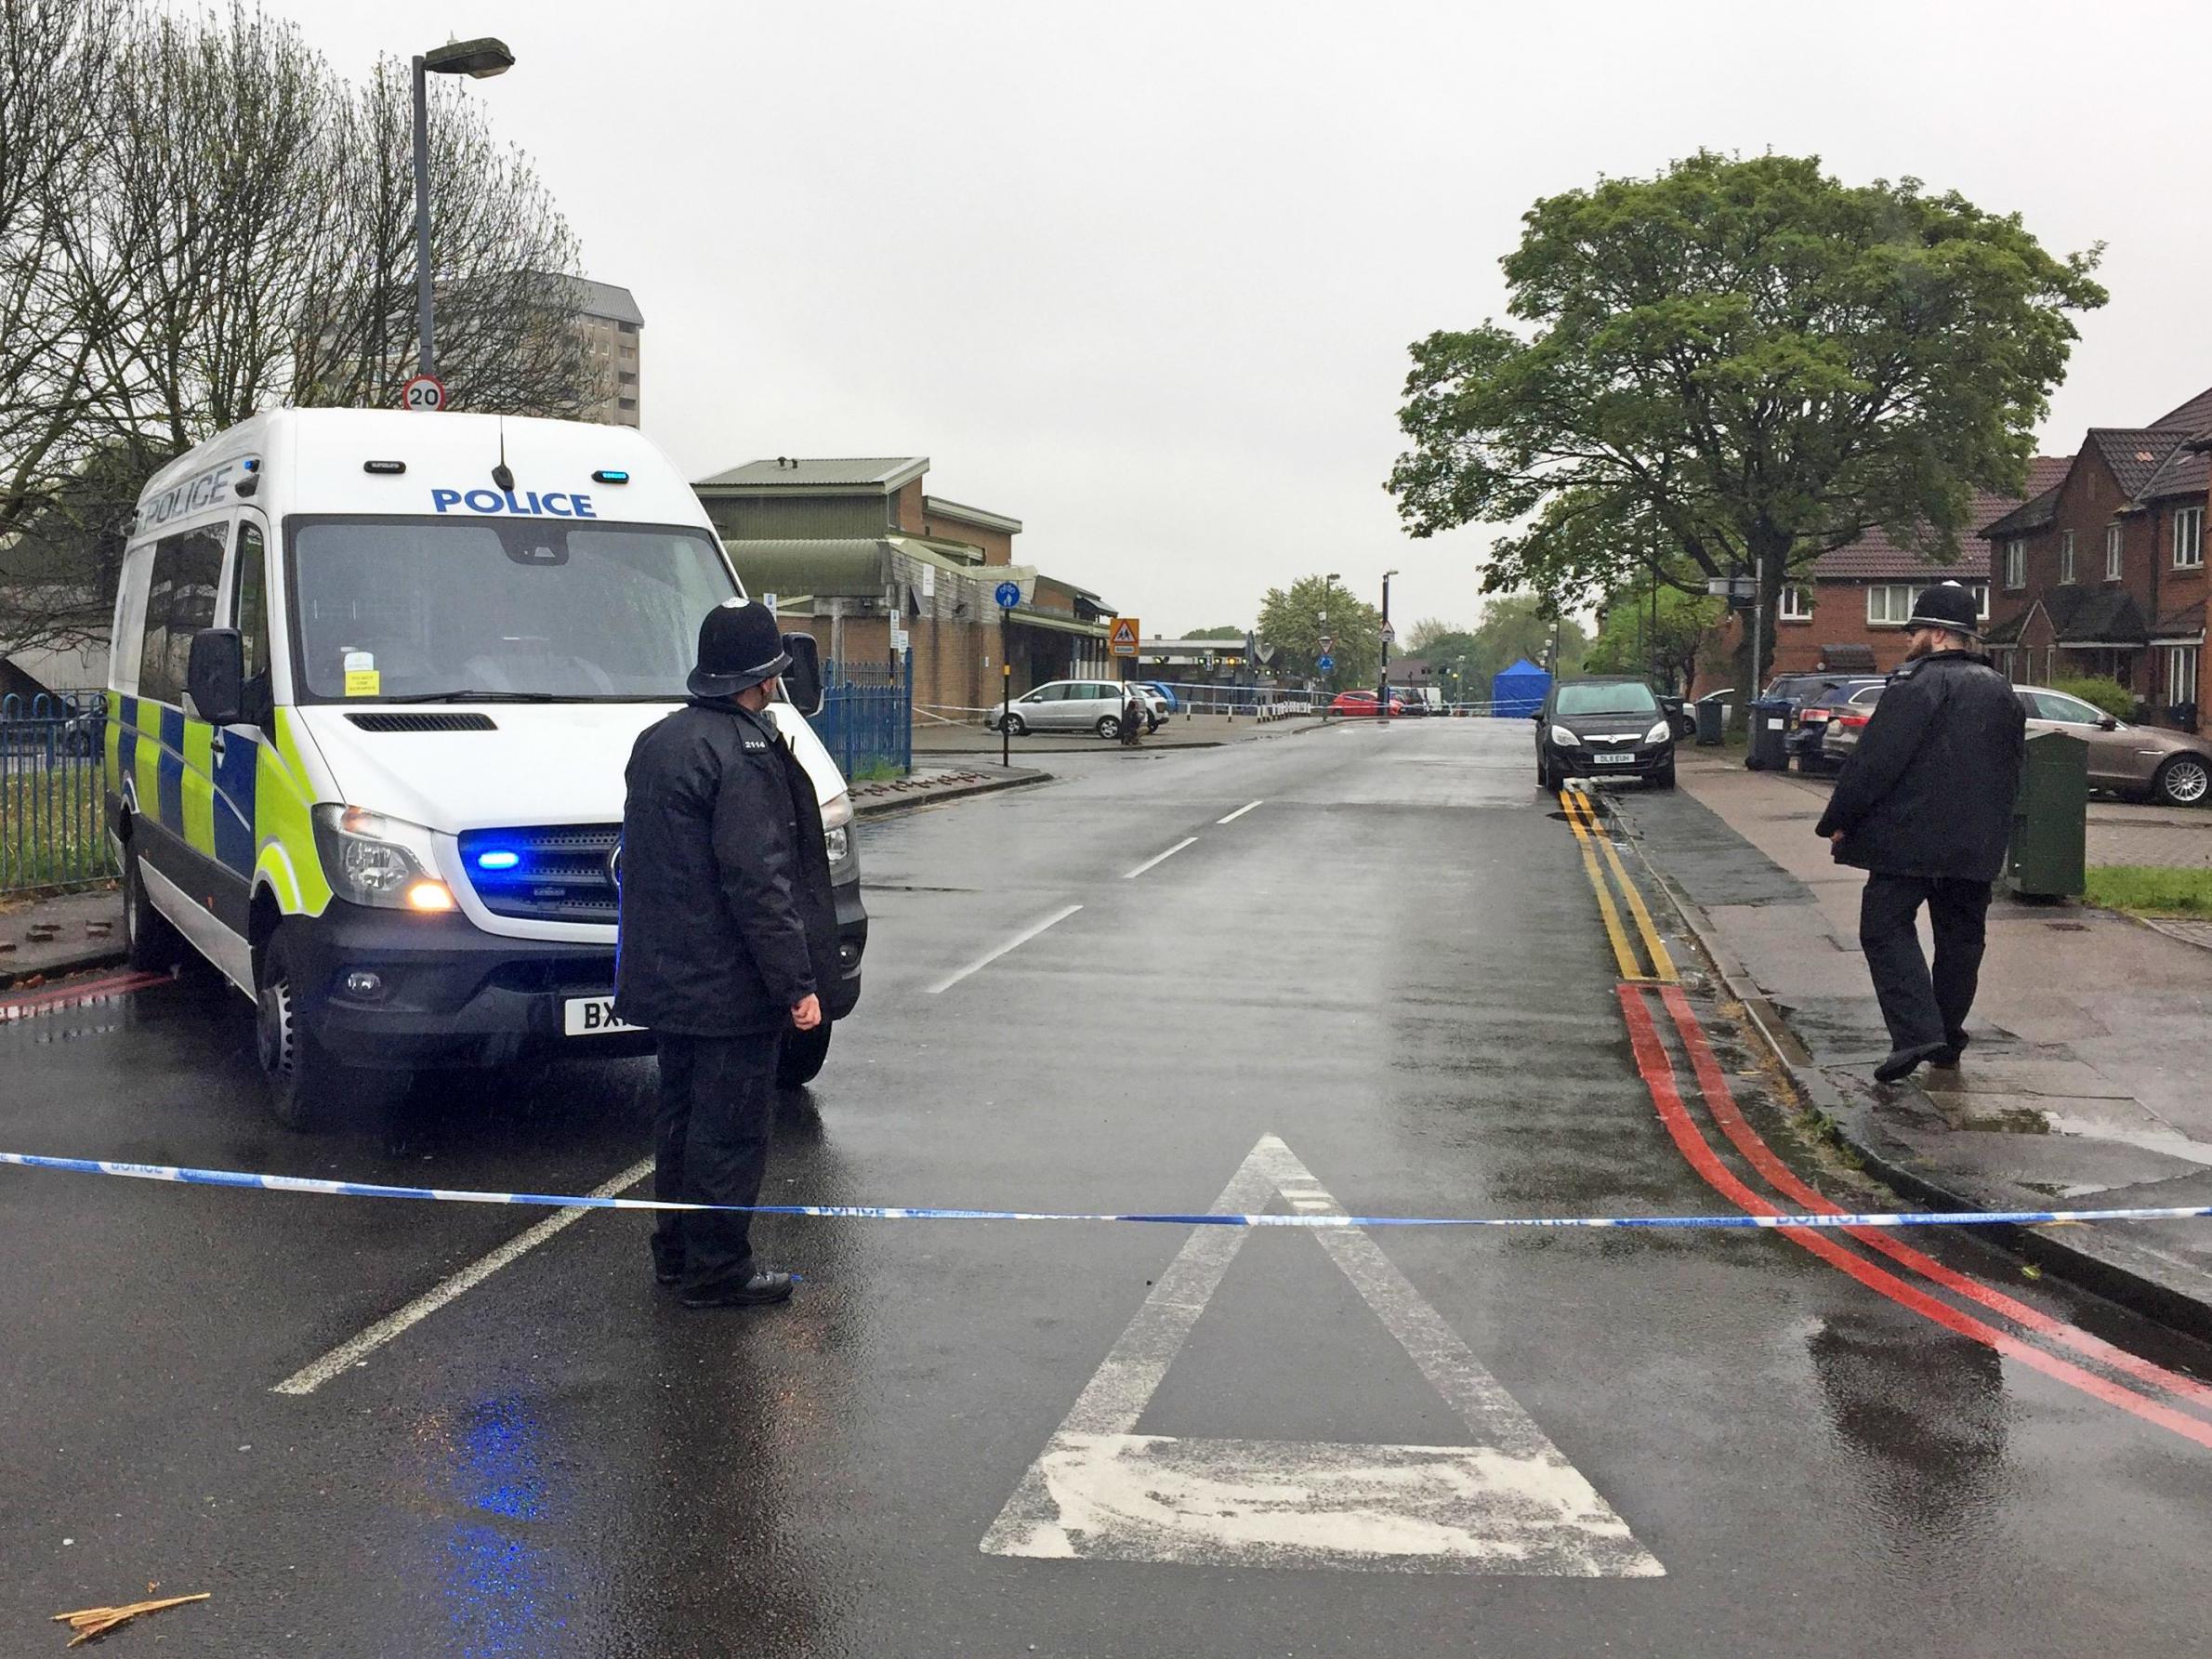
375	676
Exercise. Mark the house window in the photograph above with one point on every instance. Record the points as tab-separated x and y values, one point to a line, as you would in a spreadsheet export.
2112	552
1891	603
1796	602
2189	539
2016	563
2181	674
2066	555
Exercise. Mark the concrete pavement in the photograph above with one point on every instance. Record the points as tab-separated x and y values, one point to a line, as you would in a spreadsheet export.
1367	969
2085	1088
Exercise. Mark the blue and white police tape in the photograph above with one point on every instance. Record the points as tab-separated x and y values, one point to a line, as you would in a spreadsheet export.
861	1212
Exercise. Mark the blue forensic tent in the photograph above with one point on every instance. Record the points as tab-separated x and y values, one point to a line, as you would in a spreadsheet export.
1518	692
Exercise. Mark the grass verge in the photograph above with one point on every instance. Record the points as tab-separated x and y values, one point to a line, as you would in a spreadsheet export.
2143	890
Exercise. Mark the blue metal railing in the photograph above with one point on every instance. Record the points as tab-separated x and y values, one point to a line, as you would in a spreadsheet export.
53	787
867	721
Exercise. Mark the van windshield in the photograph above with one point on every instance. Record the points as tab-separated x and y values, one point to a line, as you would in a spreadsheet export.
1622	697
533	609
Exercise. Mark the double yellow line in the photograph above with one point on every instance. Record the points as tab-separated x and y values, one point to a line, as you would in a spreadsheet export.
1585	821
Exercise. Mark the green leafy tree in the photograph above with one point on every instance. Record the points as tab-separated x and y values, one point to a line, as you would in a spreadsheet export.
1656	634
1521	624
1738	361
1424	636
1220	633
1294	621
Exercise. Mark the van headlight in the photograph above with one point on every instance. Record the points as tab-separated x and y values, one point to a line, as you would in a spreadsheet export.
836	837
1563	738
1661	731
386	863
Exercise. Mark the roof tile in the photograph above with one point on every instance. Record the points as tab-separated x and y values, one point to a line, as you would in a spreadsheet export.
1876	557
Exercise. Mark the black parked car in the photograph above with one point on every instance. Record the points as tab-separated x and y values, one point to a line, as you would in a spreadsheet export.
1603	726
1852	695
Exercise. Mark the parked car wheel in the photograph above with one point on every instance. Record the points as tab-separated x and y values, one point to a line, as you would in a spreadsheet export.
1109	726
151	943
1664	777
306	1086
800	1055
2184	781
1544	781
1016	726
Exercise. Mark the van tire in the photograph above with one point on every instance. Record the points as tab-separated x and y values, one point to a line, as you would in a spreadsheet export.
307	1089
800	1055
150	942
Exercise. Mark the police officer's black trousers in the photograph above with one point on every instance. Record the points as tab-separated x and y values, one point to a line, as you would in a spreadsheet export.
711	1140
1923	1009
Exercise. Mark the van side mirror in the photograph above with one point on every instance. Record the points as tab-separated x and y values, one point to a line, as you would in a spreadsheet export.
215	677
802	681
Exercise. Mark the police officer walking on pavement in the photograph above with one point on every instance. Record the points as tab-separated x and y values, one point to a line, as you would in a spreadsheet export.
1923	804
720	888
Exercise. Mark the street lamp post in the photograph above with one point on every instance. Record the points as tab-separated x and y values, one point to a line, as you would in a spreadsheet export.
1382	688
1328	583
480	60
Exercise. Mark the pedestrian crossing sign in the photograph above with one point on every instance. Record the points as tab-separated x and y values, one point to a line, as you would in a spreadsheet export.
1123	638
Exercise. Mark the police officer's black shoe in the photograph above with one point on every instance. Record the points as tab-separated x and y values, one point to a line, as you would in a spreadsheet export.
1905	1061
764	1285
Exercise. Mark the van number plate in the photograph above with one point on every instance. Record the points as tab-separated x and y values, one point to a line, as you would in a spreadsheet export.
591	1016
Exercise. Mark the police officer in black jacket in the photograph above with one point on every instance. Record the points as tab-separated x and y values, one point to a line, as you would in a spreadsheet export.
719	885
1923	804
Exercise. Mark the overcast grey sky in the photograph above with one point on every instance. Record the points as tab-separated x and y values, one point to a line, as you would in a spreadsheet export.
1143	275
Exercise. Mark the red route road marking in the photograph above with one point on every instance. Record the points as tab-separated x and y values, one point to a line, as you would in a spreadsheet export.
1747	1140
63	995
1659	1076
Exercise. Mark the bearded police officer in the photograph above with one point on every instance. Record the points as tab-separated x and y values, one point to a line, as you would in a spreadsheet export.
723	881
1923	804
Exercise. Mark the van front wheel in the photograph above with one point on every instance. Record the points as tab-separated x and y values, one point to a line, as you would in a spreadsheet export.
307	1087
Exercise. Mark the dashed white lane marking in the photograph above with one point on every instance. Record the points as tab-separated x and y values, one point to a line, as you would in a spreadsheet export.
1240	812
1509	1503
1161	858
1014	943
349	1353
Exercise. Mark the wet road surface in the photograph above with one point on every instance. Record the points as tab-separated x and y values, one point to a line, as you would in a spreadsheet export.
1386	988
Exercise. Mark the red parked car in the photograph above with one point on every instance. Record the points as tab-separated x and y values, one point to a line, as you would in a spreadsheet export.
1363	703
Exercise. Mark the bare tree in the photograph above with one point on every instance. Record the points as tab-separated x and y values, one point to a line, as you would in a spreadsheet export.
216	157
56	299
198	221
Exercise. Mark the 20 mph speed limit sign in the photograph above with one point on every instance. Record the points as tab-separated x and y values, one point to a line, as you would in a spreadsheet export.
426	392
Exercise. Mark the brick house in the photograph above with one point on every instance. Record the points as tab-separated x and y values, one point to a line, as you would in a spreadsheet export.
849	545
1851	614
2103	572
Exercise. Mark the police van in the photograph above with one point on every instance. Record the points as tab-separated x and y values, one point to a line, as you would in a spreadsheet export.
376	678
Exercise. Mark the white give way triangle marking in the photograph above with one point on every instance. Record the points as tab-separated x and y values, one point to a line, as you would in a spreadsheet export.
1507	1503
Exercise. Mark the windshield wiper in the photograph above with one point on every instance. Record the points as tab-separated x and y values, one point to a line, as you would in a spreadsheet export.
466	697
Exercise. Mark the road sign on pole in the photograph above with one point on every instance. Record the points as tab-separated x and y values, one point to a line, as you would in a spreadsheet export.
1007	596
1122	639
423	392
1326	662
1389	634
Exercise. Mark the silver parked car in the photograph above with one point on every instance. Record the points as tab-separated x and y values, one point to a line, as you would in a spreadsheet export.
2146	762
1073	706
